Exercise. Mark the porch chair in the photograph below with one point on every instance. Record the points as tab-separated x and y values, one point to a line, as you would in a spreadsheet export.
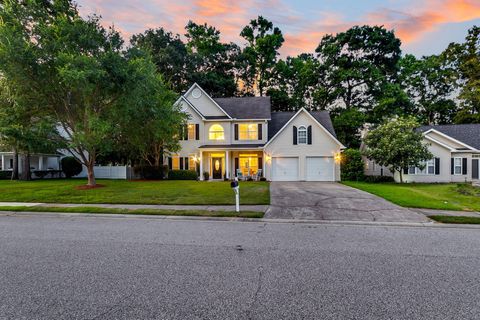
240	174
258	175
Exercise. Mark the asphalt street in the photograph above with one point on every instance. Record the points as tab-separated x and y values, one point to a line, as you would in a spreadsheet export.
131	268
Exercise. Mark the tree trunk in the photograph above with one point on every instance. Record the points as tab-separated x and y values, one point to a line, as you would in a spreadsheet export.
15	164
91	174
401	176
26	174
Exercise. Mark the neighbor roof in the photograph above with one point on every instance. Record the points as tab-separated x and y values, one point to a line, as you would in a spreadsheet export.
246	107
466	133
279	119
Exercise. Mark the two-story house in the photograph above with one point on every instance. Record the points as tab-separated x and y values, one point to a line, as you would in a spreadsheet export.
225	136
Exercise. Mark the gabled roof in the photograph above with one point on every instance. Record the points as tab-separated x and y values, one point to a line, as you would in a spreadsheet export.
195	85
468	134
252	108
279	119
280	122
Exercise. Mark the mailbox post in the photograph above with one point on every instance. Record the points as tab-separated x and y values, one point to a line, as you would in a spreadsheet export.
236	189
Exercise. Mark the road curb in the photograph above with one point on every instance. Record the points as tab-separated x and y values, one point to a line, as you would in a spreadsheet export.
227	219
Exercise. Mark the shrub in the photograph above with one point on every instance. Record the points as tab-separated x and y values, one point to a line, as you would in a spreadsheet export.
5	175
263	179
182	175
206	176
71	167
352	165
378	179
151	172
41	173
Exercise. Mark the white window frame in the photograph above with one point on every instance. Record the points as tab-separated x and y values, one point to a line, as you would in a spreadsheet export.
219	135
302	129
251	131
189	126
455	166
417	171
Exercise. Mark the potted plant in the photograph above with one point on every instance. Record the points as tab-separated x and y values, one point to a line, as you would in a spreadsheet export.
206	176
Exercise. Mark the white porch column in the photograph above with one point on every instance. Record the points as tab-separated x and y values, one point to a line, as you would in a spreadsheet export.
4	166
227	165
201	165
40	162
264	162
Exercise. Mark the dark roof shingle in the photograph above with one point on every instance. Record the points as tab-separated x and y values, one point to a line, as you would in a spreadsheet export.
466	133
279	119
246	107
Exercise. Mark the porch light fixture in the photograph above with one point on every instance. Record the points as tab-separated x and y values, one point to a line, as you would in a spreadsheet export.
338	157
268	157
195	158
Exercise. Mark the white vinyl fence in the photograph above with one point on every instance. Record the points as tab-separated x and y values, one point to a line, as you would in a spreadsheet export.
110	172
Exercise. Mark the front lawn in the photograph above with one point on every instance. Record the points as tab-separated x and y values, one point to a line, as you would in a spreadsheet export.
422	195
456	220
134	192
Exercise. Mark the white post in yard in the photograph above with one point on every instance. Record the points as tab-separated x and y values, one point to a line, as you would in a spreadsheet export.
201	165
236	189
227	165
40	162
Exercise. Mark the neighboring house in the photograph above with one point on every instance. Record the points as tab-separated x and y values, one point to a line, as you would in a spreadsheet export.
456	156
226	136
40	162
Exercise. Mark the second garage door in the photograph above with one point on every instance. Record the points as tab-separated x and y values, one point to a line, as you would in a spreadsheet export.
284	169
319	169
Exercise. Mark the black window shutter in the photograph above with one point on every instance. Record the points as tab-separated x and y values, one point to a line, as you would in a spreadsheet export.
405	170
170	163
260	163
260	133
181	163
453	166
236	166
294	135
185	163
197	131
236	131
309	134
464	166
437	166
185	132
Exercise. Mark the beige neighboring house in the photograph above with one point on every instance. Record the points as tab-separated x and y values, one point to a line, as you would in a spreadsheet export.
226	137
456	151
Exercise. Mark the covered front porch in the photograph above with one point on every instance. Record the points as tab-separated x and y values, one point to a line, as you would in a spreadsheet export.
226	163
38	162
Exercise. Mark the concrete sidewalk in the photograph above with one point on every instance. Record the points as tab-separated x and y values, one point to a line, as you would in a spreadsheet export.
255	208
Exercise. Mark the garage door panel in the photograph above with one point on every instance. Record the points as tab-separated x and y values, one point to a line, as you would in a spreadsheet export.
319	169
284	169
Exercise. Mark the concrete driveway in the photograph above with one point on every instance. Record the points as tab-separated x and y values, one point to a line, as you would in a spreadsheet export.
333	201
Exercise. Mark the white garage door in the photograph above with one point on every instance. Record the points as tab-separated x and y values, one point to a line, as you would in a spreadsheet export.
319	169
284	169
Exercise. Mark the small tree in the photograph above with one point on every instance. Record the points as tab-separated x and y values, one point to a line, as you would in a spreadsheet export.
352	165
397	145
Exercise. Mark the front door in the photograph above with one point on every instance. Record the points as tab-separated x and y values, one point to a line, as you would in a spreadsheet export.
475	169
217	168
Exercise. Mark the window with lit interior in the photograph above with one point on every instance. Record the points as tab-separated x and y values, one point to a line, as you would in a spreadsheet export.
216	132
248	131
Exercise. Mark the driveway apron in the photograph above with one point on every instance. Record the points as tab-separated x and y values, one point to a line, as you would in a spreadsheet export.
333	201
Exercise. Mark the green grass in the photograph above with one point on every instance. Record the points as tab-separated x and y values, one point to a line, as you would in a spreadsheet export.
97	210
456	220
134	192
422	195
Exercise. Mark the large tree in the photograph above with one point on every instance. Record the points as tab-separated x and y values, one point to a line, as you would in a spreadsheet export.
76	70
260	55
358	63
465	58
169	54
211	63
397	144
429	85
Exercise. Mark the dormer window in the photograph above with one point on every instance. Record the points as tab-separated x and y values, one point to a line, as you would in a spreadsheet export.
302	135
216	132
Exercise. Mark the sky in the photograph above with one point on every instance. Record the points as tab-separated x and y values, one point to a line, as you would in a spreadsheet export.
424	26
